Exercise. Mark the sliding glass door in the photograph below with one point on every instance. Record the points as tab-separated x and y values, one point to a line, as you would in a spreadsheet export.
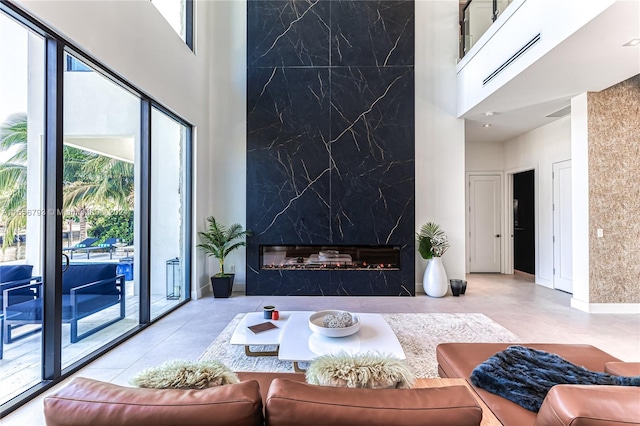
101	142
95	209
168	209
21	204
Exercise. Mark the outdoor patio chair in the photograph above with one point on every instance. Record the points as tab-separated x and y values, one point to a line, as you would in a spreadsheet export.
86	245
16	285
86	289
109	244
124	249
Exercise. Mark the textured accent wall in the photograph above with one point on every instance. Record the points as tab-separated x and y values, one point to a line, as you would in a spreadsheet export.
614	193
330	138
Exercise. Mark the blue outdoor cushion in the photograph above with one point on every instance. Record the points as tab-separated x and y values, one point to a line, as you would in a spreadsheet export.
30	310
88	301
88	304
15	272
77	275
17	275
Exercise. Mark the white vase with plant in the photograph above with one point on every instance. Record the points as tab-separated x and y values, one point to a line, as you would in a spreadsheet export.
432	244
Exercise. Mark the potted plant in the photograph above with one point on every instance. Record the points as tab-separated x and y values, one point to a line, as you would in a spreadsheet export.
218	241
432	244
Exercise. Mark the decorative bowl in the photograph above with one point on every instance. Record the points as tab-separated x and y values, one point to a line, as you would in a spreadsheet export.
316	324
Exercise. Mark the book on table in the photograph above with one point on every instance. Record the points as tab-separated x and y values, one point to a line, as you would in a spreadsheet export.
263	326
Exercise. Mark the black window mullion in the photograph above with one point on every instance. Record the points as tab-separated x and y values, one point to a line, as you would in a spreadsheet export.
188	179
145	212
52	251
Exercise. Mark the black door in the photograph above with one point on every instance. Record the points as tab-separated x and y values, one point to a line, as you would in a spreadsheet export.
524	222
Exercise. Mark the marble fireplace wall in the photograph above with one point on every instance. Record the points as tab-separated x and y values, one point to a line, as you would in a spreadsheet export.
330	139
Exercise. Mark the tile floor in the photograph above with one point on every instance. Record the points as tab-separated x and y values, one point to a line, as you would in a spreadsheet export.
21	365
534	313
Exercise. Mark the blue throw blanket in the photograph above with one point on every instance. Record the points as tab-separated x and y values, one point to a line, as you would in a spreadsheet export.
524	375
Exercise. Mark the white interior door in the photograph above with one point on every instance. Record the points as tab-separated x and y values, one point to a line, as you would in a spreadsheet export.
484	223
562	245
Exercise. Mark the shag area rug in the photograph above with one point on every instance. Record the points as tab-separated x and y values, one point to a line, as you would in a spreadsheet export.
419	334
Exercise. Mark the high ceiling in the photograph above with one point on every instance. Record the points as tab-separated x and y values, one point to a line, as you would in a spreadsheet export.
590	60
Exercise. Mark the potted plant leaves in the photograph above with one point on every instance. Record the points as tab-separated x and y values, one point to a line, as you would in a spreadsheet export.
432	244
218	241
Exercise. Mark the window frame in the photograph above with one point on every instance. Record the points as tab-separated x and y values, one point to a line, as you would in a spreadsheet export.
55	66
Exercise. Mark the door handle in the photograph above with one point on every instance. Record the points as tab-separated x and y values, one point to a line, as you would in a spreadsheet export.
497	235
66	263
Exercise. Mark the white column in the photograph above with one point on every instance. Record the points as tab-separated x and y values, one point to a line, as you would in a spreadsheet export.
440	161
580	201
35	147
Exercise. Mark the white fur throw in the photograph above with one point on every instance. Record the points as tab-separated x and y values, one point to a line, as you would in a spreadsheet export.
182	374
369	370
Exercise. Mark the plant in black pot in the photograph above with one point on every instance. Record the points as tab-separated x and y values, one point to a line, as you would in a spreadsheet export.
218	241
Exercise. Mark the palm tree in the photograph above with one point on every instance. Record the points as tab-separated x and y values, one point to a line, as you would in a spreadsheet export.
95	180
89	180
13	176
99	179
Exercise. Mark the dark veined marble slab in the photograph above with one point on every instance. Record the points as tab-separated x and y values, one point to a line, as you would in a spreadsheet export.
330	138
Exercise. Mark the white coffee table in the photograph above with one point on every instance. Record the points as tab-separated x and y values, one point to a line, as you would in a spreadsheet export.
242	335
299	344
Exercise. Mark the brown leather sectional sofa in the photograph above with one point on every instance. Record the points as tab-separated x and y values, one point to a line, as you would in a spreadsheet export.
283	399
566	404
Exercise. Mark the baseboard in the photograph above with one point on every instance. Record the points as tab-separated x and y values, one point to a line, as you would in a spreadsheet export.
579	305
544	283
606	308
201	292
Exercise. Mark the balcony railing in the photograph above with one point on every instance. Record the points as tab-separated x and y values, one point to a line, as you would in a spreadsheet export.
476	18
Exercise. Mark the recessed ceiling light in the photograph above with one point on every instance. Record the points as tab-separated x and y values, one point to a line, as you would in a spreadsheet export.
489	113
632	42
486	125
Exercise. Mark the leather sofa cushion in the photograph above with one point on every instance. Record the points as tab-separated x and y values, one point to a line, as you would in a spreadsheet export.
91	402
264	379
588	405
622	368
291	403
459	360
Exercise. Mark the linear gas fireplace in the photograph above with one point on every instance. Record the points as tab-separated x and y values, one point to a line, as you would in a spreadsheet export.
318	258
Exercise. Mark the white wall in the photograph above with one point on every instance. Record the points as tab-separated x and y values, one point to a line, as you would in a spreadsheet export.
554	20
136	42
580	201
35	154
538	150
227	168
166	210
484	157
439	134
